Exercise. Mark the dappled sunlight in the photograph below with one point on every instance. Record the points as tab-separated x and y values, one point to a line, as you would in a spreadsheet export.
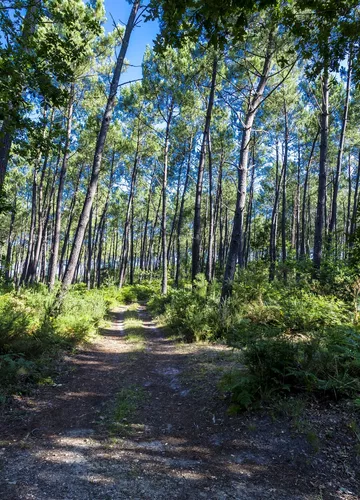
127	423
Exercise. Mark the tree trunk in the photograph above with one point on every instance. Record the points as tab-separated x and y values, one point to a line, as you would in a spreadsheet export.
57	227
284	179
304	199
333	217
100	144
9	245
355	204
247	232
70	220
274	217
320	211
125	242
103	223
181	216
164	198
236	237
89	251
198	194
209	262
143	246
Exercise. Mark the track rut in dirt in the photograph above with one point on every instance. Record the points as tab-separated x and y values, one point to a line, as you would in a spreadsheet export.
172	439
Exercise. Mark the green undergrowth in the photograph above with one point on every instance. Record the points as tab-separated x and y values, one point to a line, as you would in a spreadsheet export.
130	294
127	401
133	327
30	338
294	338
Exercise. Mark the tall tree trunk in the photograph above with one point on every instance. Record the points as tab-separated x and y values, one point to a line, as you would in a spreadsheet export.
304	227
284	179
9	244
125	242
236	237
42	208
296	243
150	258
89	251
181	217
70	220
164	200
333	217
132	263
209	262
30	245
100	144
175	217
274	217
197	210
320	211
103	223
247	232
144	240
348	211
57	226
355	204
219	204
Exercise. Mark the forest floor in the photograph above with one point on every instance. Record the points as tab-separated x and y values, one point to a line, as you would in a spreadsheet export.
140	417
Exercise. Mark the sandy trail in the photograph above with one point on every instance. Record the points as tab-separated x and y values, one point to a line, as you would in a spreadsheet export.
176	442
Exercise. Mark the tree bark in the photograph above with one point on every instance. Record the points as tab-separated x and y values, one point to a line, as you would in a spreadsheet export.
181	217
284	179
100	144
355	204
236	237
164	201
57	226
274	217
198	195
209	262
304	199
333	217
320	211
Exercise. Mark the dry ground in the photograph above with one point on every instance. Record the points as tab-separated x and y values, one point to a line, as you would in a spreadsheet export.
142	418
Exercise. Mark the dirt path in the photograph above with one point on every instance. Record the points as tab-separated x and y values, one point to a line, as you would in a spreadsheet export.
141	418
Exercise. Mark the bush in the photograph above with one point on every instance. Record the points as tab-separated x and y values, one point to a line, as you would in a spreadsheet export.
325	362
193	313
293	339
29	336
138	293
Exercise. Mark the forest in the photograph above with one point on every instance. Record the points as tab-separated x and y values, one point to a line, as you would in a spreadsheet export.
218	192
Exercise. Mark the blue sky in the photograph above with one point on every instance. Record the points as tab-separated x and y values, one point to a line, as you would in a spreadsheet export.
141	36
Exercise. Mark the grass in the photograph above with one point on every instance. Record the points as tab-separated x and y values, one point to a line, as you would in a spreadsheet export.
31	339
133	327
126	403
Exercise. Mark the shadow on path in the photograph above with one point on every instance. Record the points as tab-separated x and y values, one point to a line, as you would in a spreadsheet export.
179	442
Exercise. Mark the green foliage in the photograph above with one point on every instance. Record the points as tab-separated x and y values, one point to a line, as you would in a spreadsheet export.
13	368
29	336
192	313
139	292
327	364
126	404
292	339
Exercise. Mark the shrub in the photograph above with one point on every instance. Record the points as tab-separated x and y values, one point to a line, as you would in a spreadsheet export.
28	335
192	313
327	363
